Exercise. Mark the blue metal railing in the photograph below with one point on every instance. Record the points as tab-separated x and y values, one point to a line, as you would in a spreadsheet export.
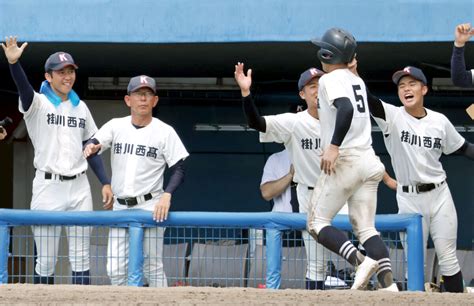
137	220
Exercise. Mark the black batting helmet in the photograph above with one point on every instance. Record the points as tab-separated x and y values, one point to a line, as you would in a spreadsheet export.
337	46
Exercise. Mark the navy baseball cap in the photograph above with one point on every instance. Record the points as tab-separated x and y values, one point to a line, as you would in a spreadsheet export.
140	82
58	61
414	72
307	76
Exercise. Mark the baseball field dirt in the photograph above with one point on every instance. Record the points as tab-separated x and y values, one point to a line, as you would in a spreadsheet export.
19	294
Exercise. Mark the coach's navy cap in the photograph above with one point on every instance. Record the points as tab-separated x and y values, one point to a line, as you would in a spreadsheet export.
58	61
307	76
411	71
140	82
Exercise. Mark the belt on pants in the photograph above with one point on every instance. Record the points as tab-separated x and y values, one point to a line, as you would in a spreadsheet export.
132	201
421	187
293	184
52	176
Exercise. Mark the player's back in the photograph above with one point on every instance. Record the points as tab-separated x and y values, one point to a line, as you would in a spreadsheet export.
342	83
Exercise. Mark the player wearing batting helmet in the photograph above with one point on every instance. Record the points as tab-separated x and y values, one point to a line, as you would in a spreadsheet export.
301	135
351	170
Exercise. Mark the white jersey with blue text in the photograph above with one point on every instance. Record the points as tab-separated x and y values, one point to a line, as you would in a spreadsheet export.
277	166
415	145
342	83
300	133
139	156
57	134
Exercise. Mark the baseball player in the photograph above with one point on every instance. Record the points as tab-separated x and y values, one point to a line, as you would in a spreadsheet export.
415	138
300	133
351	170
277	185
276	181
58	123
459	74
142	147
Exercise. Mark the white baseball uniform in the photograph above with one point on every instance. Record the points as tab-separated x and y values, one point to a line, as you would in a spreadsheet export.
415	146
300	133
277	166
57	134
358	170
139	157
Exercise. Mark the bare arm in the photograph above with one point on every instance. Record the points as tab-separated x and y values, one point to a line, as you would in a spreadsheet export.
389	181
275	188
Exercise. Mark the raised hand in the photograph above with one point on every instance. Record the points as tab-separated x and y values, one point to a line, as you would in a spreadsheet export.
244	81
462	34
12	51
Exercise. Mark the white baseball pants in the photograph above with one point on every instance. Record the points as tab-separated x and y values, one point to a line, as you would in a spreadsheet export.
57	195
117	251
439	219
355	181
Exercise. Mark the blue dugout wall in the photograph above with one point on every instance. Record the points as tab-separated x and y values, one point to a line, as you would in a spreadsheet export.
171	21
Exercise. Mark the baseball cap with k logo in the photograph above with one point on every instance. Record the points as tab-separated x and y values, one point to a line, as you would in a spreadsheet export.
140	82
58	61
414	72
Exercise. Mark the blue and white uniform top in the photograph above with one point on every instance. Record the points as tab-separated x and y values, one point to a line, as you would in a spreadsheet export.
57	133
139	156
415	145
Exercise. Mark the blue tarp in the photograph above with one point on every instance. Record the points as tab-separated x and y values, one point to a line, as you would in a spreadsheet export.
219	21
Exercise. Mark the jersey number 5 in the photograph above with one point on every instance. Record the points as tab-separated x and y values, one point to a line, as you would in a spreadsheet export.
359	99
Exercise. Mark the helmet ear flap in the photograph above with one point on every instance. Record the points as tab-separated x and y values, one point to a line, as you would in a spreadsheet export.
325	55
351	58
